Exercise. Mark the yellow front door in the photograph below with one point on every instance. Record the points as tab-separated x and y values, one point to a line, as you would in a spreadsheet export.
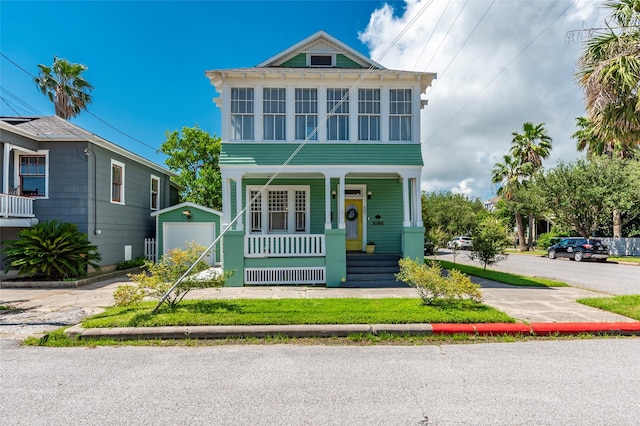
353	222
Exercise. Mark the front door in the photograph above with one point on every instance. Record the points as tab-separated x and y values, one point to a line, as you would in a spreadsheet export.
353	223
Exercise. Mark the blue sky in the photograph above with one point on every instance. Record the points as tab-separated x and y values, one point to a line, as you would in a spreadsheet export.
147	60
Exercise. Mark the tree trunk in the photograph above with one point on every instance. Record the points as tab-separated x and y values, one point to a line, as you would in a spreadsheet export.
617	224
531	231
522	246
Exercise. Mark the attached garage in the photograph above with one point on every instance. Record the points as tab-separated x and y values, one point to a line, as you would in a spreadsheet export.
188	222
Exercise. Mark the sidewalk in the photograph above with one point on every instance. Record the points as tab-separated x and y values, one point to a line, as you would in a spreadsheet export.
544	310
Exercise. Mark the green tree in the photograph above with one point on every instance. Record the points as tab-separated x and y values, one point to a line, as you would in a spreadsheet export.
609	72
489	242
508	175
446	215
194	156
65	87
53	249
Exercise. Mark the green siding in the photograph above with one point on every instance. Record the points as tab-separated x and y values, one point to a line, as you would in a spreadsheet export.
344	62
298	61
199	216
321	154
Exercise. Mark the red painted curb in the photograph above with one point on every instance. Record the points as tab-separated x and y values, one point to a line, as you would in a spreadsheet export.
502	328
585	327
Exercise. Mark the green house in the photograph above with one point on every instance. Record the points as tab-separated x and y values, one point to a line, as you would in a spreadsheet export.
320	155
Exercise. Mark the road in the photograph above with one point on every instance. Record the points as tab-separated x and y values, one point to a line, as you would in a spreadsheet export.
610	278
564	382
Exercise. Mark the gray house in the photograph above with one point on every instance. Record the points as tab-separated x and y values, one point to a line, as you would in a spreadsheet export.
52	169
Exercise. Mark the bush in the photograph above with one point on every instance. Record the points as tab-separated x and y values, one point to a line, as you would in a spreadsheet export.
133	263
428	280
157	278
489	242
52	249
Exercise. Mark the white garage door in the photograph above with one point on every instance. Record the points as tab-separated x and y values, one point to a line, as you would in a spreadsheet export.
177	234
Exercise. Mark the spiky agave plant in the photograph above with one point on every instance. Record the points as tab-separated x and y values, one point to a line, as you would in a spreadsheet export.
53	249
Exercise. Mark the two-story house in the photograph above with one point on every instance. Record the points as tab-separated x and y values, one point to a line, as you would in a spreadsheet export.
53	169
320	155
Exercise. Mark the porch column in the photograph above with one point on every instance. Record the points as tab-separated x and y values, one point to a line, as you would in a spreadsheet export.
226	200
5	168
341	224
417	201
406	222
239	224
327	202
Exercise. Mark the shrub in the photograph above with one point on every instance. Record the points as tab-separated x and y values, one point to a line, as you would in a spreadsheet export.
157	278
53	249
428	280
133	263
489	242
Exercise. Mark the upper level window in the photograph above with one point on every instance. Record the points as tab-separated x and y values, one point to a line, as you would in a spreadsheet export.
306	114
241	114
117	182
369	114
320	60
32	175
274	113
400	114
337	114
155	192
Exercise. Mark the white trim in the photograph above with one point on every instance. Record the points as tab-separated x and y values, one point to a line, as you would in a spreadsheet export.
293	276
17	152
156	178
291	204
186	204
121	165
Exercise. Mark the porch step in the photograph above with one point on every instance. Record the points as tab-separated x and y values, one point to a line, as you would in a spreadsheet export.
372	270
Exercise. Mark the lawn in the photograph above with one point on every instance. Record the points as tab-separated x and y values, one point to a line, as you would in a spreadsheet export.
629	306
297	311
502	277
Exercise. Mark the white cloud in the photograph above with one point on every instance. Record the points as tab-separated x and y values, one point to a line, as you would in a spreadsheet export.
509	71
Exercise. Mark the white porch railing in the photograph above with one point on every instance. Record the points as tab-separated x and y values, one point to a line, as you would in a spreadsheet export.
287	245
15	206
279	276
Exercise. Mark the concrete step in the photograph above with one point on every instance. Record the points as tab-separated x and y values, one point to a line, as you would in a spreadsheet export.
370	277
377	269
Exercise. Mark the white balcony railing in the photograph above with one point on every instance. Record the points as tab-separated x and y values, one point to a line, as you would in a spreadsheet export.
15	206
286	245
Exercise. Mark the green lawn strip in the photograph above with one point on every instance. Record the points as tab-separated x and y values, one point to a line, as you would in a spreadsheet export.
628	259
297	311
628	305
502	277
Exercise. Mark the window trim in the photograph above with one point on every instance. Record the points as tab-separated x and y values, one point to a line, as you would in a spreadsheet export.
400	118
244	117
369	116
306	117
291	208
157	194
333	57
122	184
17	176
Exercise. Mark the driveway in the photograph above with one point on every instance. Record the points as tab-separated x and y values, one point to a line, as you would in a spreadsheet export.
609	277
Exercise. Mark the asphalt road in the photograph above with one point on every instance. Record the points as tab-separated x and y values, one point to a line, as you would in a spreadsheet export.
567	382
606	277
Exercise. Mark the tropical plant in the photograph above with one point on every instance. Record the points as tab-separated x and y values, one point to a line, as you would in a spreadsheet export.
52	249
508	175
489	242
65	87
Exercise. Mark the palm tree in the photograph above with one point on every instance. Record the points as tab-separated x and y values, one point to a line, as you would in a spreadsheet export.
609	72
529	148
508	174
588	140
65	87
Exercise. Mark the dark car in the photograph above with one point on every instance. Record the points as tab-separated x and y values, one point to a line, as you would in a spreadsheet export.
578	249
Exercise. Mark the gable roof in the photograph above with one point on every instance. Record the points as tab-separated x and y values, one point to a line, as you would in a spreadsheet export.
320	43
187	204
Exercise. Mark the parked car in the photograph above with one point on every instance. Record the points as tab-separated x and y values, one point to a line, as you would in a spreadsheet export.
428	247
578	249
460	243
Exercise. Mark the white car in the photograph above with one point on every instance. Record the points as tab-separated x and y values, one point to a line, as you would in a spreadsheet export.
460	243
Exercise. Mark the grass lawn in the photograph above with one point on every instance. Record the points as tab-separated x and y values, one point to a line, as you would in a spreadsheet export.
297	311
629	259
502	277
629	306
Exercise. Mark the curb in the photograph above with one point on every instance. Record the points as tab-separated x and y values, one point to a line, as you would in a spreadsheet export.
344	330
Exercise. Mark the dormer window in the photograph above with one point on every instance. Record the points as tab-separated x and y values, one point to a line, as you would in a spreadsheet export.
314	60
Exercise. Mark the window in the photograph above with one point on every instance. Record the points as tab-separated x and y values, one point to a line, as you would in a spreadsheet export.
155	192
306	114
400	114
337	114
117	182
320	60
369	114
241	114
278	209
33	175
274	105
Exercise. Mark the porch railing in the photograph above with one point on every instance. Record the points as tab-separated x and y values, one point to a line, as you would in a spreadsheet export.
289	245
15	206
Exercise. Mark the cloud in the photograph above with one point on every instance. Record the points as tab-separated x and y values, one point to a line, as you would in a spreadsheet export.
499	64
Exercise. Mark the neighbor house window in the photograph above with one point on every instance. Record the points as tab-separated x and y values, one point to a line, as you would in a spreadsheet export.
117	182
306	114
274	110
32	175
155	192
337	114
400	114
241	114
279	209
369	114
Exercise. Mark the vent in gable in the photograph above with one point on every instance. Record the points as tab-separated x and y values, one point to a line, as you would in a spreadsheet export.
320	60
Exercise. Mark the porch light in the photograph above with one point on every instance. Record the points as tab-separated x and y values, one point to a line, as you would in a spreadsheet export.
333	194
369	195
187	214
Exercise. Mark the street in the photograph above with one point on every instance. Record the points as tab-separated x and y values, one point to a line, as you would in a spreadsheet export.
564	382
